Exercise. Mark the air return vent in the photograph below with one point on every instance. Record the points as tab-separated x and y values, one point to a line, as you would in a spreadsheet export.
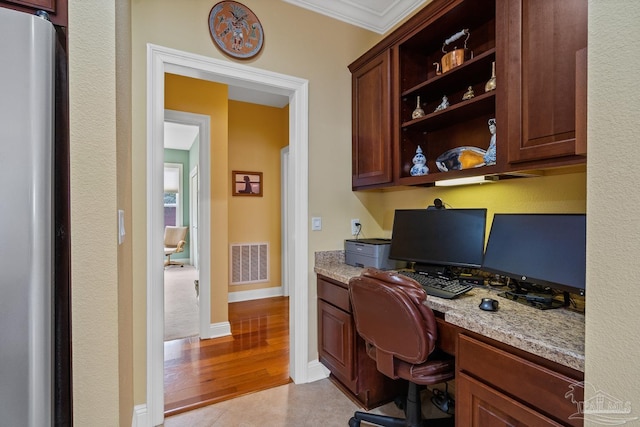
249	263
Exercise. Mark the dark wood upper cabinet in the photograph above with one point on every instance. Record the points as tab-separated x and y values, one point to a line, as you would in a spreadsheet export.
540	41
57	9
371	115
539	50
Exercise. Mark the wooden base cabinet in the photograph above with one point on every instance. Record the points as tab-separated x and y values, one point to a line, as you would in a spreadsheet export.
343	352
499	387
336	342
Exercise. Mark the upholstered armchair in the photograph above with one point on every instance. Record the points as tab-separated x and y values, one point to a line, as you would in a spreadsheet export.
174	241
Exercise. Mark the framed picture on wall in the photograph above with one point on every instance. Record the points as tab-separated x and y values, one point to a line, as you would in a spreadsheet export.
246	183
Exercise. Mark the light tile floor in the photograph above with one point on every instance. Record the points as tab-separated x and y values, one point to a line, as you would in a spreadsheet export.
317	404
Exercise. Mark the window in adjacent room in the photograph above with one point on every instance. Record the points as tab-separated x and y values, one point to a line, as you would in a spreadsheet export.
173	194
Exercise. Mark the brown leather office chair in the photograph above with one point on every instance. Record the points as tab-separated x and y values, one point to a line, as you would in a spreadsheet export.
401	334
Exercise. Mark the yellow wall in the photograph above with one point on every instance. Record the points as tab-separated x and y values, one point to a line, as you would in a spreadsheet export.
251	139
208	98
256	135
550	194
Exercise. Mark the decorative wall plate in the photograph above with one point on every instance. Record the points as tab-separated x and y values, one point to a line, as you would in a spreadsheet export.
235	29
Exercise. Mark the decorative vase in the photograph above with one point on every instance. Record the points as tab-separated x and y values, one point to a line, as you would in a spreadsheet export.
491	84
418	112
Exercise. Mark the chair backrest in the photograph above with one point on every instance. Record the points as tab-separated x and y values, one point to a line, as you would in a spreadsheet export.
389	314
174	235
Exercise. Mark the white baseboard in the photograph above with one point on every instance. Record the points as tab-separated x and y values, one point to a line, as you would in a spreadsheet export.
221	329
316	371
140	416
276	291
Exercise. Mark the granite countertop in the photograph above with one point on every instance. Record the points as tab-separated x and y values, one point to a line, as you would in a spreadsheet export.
556	335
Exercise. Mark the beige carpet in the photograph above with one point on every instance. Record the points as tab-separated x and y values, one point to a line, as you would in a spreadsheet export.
180	302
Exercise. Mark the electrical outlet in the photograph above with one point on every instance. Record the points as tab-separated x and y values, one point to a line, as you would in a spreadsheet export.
355	230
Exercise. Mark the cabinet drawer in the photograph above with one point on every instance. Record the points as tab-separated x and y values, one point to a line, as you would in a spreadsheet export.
334	294
478	405
528	382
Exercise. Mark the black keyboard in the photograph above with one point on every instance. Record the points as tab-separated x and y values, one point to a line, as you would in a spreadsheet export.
438	286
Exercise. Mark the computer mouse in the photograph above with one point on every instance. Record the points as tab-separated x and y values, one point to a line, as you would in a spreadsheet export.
488	304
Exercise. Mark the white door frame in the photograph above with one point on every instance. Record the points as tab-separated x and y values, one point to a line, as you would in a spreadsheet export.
194	215
284	218
160	60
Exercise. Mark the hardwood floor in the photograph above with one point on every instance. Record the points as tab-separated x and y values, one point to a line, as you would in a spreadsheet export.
255	357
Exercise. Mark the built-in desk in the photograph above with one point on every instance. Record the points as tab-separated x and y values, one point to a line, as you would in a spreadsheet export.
517	363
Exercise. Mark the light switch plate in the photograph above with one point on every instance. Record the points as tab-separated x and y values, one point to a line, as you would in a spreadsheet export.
121	231
316	223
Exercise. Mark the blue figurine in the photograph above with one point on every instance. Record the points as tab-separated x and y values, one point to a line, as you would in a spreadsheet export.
419	164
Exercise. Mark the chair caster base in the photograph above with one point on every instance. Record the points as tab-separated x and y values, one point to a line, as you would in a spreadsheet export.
443	401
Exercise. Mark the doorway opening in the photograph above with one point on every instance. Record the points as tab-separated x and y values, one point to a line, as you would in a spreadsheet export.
159	61
199	238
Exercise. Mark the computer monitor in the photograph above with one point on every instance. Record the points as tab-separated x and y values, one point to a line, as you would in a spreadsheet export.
441	237
548	250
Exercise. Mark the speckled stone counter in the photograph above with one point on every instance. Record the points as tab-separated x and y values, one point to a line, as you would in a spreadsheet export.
556	335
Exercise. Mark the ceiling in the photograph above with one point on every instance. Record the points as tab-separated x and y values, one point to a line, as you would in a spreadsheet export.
374	15
178	136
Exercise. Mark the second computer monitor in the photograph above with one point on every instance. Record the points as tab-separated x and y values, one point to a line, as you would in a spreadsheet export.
540	249
443	237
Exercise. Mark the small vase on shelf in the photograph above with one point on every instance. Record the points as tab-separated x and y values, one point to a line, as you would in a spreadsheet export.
491	84
418	112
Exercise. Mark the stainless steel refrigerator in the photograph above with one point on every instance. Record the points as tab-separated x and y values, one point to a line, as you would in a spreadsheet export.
27	47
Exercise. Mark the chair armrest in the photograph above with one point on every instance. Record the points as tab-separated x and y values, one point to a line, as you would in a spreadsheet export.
180	246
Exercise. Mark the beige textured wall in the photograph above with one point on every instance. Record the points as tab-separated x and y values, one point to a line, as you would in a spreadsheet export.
123	180
94	250
613	228
299	43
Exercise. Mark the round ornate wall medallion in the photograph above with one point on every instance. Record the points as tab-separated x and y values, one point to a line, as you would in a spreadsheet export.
235	29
